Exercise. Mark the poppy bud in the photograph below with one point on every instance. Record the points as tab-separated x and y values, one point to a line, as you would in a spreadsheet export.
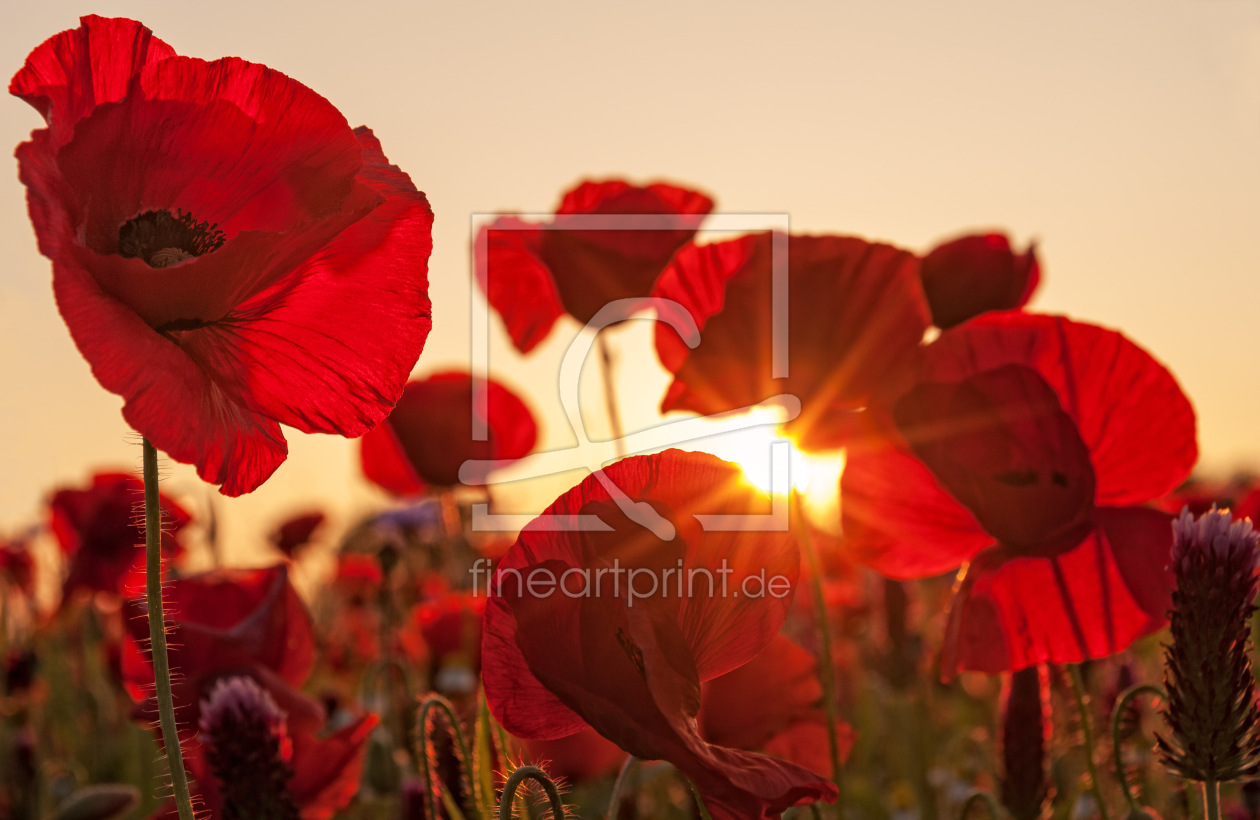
1025	730
977	273
248	748
1211	690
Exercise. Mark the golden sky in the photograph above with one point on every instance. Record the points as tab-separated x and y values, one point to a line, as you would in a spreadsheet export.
1124	137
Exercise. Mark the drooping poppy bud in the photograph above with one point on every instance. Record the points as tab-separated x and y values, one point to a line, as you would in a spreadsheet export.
1211	690
248	748
976	273
1025	733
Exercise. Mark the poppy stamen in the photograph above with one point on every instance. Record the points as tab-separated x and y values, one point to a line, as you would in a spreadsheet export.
162	240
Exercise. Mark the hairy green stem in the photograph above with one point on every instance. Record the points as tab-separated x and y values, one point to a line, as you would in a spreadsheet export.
424	748
1087	732
1117	746
826	668
157	634
1212	800
536	774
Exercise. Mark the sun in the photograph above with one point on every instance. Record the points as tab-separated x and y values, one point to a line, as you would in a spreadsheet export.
815	476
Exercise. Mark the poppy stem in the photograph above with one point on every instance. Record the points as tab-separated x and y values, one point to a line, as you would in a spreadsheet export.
157	634
1212	800
428	759
614	800
1117	743
610	395
826	667
536	774
1087	731
704	812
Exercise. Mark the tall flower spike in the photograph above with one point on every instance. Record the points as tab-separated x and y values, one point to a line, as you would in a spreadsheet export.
248	748
1025	732
1211	690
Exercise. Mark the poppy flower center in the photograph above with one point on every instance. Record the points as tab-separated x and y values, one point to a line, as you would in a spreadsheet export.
162	239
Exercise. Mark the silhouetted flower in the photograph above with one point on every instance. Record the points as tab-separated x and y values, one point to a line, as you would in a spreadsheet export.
101	532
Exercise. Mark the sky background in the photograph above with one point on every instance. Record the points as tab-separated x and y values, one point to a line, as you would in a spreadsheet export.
1124	137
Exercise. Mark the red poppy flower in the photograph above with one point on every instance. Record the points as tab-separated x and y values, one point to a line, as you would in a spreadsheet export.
101	532
973	274
300	294
247	623
856	311
628	660
1023	452
429	434
534	275
296	533
773	704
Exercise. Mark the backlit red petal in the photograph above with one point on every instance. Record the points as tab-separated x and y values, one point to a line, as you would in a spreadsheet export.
1091	602
72	72
856	313
516	281
1130	412
897	518
169	399
972	274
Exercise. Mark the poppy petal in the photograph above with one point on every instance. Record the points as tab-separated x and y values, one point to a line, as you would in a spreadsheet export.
327	772
896	515
857	313
722	628
520	289
1130	412
296	355
972	274
71	73
430	429
1012	612
1000	442
169	399
749	705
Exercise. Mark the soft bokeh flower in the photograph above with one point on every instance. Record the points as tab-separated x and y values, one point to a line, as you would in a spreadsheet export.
429	434
228	253
101	533
296	532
